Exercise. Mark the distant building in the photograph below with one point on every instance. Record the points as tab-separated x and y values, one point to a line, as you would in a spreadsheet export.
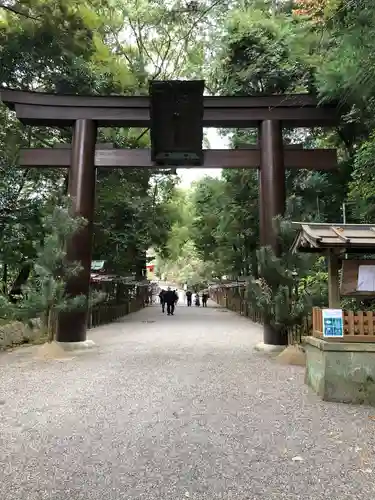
151	262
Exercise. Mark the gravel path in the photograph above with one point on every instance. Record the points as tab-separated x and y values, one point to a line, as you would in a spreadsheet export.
170	408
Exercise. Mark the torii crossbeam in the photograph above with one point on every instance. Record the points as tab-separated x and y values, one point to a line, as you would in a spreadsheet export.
105	157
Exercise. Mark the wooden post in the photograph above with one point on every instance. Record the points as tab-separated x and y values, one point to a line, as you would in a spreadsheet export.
72	325
272	201
272	180
333	281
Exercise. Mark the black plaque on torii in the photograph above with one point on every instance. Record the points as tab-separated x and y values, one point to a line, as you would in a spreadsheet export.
176	116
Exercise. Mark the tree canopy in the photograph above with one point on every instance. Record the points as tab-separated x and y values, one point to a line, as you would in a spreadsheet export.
323	47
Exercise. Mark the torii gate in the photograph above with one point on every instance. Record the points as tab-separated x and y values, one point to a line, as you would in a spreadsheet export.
181	112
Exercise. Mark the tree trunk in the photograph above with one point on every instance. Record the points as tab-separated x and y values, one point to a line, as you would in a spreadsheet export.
50	323
254	265
141	269
20	281
65	185
5	279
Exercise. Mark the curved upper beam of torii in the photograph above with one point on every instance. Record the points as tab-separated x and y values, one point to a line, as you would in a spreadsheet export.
294	110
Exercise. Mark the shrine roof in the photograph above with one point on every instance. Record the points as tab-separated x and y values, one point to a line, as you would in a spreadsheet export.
295	110
317	237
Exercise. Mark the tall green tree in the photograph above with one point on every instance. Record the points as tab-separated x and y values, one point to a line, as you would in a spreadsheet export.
70	47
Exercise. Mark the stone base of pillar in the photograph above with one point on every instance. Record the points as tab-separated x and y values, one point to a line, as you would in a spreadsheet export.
63	351
269	348
76	346
342	372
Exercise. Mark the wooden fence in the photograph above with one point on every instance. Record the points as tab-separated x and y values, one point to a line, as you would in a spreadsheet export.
232	297
121	299
359	326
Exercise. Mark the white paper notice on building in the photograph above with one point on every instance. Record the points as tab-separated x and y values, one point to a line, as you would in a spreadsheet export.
366	279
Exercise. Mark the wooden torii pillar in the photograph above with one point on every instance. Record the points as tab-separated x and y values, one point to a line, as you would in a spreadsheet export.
72	325
272	180
86	113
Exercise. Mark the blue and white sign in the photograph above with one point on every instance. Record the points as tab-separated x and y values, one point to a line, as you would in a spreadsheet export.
333	325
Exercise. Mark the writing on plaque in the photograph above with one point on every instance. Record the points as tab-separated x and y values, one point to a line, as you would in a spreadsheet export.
333	325
366	279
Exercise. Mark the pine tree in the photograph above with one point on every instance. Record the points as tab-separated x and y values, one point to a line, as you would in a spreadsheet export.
276	295
45	295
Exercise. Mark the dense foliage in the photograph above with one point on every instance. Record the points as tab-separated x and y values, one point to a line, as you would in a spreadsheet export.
89	47
324	47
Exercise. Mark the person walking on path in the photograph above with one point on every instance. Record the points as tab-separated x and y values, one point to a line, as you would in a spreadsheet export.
188	298
204	299
162	300
170	298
